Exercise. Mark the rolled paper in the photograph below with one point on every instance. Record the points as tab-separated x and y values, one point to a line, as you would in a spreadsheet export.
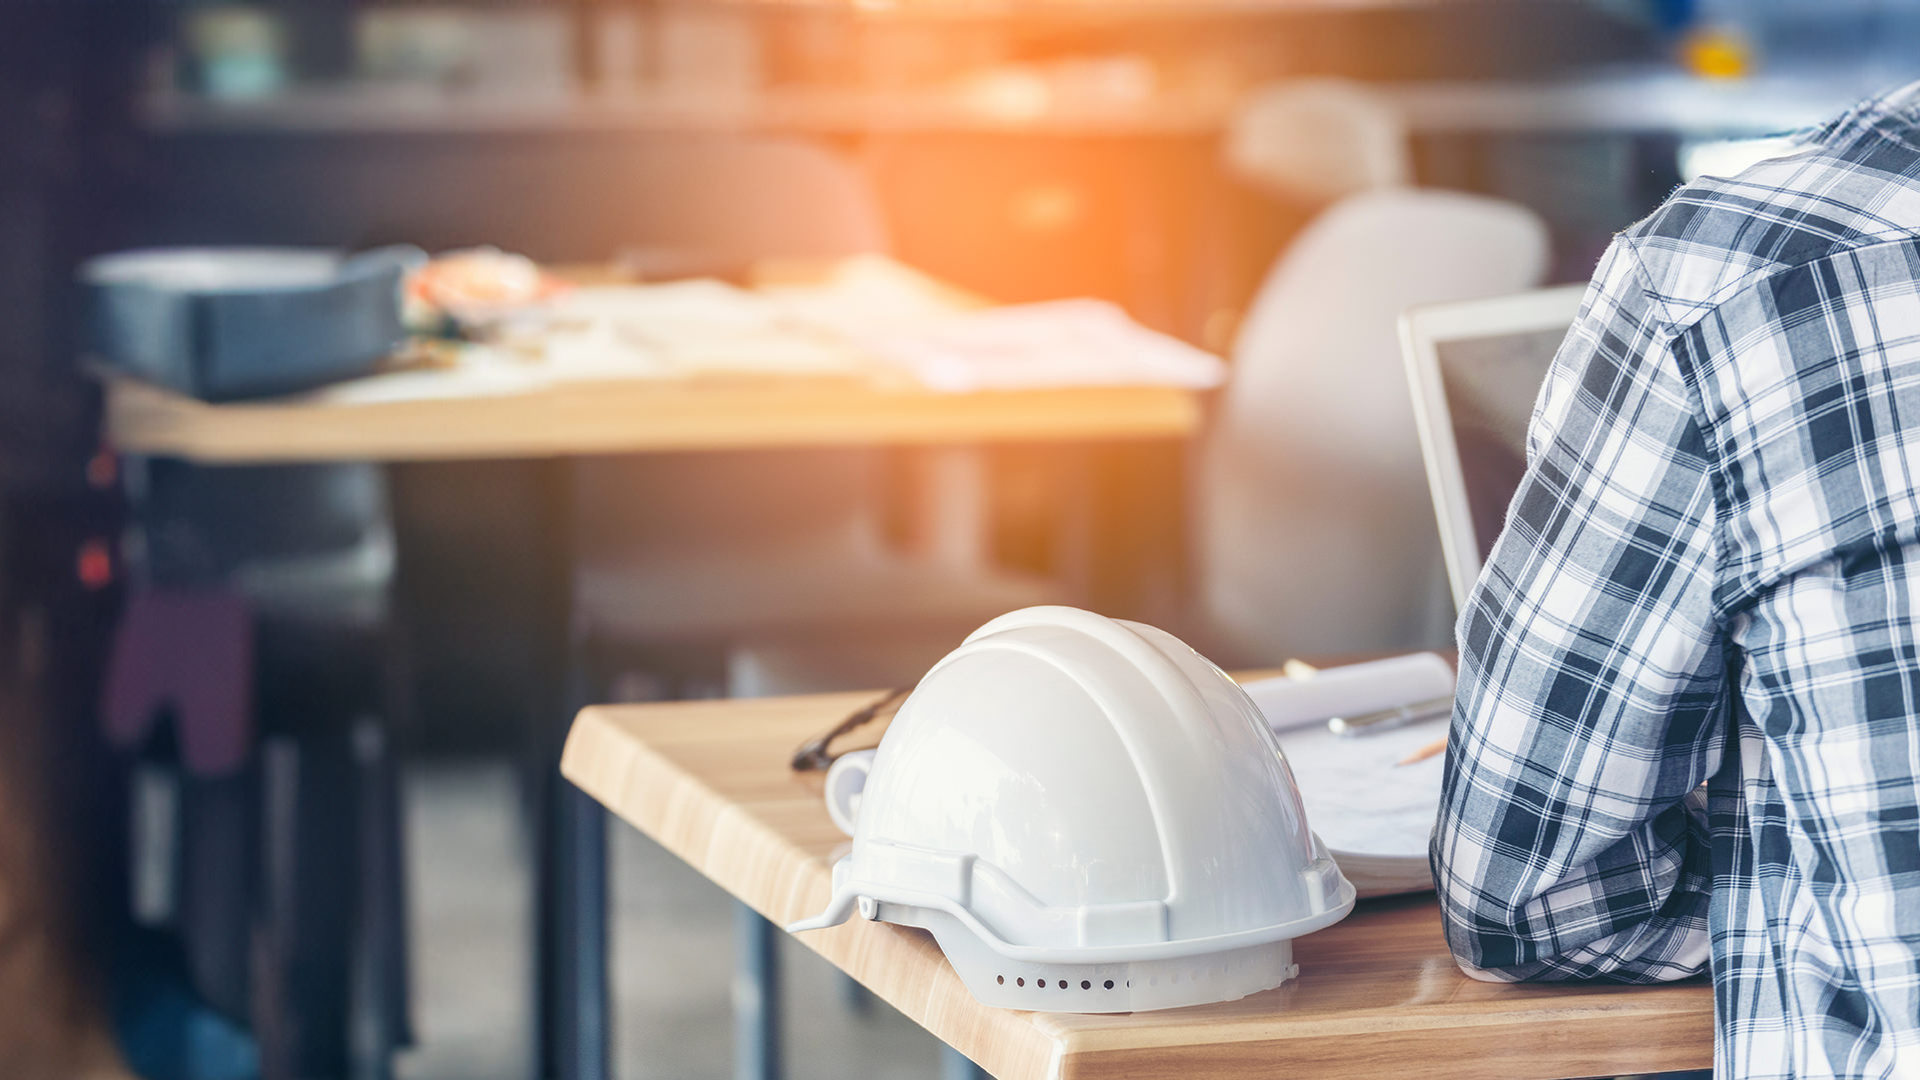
1352	689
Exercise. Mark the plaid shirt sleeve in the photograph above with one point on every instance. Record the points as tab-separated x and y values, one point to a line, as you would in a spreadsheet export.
1572	839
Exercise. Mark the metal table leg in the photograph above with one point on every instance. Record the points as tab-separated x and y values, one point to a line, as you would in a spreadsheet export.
756	996
372	1031
583	1008
573	1015
955	1065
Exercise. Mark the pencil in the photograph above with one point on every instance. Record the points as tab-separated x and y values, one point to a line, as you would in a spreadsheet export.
1437	746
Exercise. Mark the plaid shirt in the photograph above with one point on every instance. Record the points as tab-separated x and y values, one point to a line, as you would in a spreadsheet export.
1688	726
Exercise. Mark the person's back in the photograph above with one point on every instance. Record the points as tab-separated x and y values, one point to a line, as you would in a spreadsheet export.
1711	575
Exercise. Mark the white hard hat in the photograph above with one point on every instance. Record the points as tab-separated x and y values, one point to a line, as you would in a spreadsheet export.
1089	817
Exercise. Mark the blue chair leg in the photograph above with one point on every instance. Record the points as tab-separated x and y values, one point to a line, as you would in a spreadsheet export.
280	790
372	1011
756	996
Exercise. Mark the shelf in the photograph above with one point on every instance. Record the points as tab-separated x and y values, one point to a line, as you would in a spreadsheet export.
357	112
1630	102
1101	10
1634	102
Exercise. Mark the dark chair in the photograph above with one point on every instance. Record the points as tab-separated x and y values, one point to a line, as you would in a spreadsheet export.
289	896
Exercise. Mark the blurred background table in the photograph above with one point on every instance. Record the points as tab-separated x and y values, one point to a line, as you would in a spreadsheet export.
1378	995
636	416
495	410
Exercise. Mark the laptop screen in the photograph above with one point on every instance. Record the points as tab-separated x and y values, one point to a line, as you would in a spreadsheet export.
1491	383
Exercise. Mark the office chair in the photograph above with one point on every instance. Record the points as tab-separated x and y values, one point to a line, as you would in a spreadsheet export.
691	554
1313	529
1318	140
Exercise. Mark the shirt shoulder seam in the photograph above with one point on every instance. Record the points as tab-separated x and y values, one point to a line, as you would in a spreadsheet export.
1669	332
1680	318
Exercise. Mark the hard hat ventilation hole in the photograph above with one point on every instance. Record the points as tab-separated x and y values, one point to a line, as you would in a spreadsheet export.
1085	985
1001	979
1110	984
1020	982
1063	984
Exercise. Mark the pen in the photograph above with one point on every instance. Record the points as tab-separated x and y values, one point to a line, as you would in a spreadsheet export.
1437	746
1298	669
1387	719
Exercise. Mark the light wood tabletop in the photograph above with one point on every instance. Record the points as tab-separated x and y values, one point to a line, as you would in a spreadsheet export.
716	393
631	416
1377	997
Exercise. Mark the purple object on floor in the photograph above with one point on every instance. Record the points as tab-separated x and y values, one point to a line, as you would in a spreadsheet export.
192	649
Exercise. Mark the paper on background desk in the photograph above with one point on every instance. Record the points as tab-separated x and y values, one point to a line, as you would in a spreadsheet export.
861	324
469	380
870	319
1055	344
680	329
864	296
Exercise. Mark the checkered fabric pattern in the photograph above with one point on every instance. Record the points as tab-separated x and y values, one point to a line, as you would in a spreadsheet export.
1688	726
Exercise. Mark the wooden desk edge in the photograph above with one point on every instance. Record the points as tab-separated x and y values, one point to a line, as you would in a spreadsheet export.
645	790
635	417
906	969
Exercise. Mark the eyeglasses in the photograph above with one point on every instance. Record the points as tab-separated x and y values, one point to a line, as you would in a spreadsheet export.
814	755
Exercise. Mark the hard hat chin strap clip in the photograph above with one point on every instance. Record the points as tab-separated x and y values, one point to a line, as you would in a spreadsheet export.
839	909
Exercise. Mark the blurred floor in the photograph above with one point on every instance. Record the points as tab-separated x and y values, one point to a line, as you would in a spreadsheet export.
673	937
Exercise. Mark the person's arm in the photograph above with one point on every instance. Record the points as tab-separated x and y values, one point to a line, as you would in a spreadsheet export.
1592	695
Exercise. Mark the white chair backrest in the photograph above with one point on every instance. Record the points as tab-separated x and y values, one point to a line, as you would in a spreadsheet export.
1319	140
1315	529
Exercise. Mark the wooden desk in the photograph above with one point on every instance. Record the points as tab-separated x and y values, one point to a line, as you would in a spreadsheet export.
625	416
1378	995
477	409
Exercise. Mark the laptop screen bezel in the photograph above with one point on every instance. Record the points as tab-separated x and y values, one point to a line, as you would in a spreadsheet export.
1422	331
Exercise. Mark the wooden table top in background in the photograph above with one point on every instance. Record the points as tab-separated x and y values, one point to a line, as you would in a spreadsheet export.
1378	995
477	411
630	416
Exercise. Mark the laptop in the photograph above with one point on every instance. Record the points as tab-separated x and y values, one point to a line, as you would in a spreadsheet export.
1475	369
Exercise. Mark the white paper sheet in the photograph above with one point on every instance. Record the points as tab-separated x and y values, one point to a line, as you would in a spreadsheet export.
1359	799
865	296
1059	343
1374	814
1352	689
